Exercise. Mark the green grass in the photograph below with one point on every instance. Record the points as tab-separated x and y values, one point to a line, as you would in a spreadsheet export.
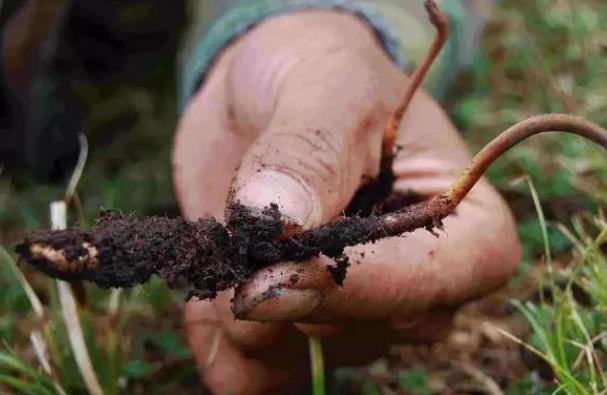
567	334
16	374
113	340
317	366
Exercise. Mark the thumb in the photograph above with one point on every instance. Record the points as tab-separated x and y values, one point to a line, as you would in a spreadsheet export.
323	137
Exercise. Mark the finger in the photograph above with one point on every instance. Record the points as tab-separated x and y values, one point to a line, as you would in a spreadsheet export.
212	135
228	364
208	146
246	335
427	327
326	121
221	365
401	276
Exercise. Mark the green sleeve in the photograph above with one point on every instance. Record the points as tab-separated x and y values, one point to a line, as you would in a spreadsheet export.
401	25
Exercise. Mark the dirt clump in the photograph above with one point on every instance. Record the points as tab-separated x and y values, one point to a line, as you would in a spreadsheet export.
122	250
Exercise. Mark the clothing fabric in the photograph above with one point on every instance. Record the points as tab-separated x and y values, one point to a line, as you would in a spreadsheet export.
401	25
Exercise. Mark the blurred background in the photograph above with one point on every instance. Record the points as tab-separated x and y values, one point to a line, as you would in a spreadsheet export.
110	66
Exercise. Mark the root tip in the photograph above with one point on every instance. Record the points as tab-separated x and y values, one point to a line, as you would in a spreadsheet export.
436	15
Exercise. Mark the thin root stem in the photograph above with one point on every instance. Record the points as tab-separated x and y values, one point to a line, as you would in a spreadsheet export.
516	134
121	251
444	204
440	20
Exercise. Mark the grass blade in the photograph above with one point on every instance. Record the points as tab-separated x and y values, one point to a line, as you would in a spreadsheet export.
70	190
18	375
69	311
41	350
543	226
76	338
317	364
38	341
29	292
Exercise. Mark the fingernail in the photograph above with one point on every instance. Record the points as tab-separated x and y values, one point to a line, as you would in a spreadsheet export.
269	186
277	304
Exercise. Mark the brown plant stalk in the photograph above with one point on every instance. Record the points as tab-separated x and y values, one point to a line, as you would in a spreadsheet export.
441	22
210	257
380	188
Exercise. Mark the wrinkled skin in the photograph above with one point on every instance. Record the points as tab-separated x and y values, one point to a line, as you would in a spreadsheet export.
292	112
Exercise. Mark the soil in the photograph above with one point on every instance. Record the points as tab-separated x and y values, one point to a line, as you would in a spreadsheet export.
127	251
122	251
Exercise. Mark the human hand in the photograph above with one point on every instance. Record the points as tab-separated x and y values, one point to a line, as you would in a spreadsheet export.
293	113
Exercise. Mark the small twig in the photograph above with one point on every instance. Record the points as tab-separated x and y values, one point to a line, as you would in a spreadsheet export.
32	297
520	342
590	348
69	311
483	378
70	190
41	351
38	341
440	20
317	365
76	338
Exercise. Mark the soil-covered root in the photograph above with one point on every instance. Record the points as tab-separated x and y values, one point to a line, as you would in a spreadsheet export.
122	251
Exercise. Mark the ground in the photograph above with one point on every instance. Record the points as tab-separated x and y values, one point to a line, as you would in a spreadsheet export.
537	56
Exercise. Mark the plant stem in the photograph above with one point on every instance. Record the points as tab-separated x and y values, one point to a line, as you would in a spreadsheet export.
317	366
440	20
514	135
121	251
69	310
429	214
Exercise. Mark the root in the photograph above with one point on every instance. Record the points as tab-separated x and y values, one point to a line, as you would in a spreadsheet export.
514	135
441	22
210	257
380	188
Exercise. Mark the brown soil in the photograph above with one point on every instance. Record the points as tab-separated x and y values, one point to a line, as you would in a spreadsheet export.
127	251
122	251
